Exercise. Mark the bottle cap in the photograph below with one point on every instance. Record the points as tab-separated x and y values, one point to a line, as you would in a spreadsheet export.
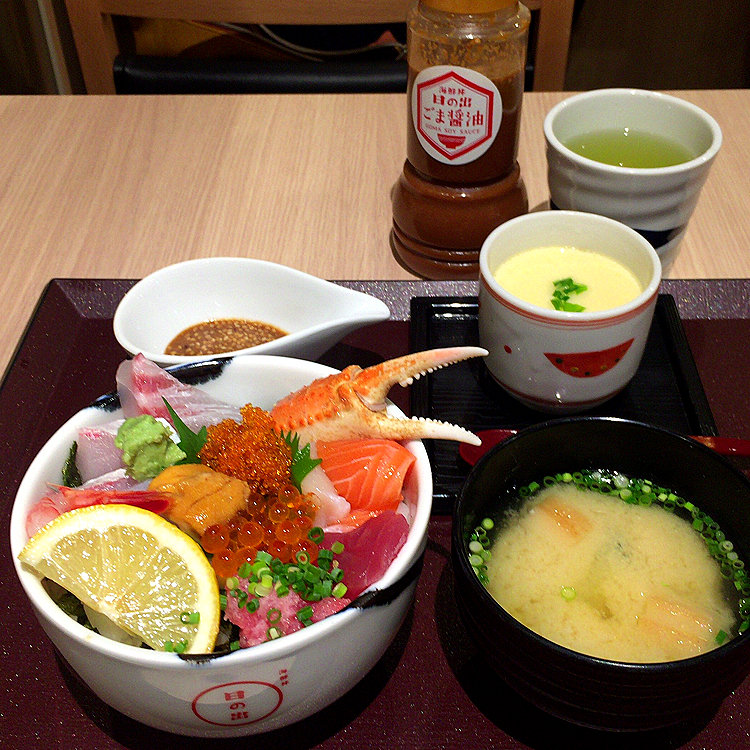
469	6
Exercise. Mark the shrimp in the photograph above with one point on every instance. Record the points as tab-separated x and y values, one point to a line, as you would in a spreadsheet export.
62	499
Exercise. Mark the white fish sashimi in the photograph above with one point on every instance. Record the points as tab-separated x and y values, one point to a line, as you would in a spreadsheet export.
331	506
118	479
96	453
143	386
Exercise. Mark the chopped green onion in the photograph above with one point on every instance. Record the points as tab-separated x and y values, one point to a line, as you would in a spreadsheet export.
337	548
281	588
305	613
190	618
721	636
338	590
245	570
564	288
568	593
260	568
273	615
315	534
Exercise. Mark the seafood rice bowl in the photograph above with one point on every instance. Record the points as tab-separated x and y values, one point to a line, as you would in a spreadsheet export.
248	679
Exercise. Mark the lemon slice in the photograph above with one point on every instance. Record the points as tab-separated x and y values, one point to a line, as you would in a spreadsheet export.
139	570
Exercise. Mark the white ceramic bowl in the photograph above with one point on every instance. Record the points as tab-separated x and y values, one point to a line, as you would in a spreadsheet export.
316	313
657	202
557	361
251	690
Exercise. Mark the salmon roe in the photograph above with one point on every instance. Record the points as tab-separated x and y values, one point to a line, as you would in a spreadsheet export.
277	523
249	450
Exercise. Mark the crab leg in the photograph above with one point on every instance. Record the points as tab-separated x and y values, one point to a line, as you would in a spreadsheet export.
352	403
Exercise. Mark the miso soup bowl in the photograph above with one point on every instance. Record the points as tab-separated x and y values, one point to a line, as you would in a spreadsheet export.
555	361
583	689
250	690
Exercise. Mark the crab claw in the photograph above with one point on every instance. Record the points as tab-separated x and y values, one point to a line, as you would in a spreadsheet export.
352	403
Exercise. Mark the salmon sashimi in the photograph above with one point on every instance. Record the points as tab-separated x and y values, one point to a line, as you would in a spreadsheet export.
369	474
200	497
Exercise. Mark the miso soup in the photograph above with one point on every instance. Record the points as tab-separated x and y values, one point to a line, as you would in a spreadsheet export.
625	581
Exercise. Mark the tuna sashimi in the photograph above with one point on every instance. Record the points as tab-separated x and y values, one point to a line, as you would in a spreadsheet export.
369	474
143	386
369	550
254	625
96	453
368	553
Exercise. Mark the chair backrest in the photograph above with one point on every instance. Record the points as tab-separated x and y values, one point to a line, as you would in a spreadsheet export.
552	42
96	42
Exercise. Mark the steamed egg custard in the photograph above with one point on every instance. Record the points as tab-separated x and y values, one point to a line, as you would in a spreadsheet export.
612	576
535	274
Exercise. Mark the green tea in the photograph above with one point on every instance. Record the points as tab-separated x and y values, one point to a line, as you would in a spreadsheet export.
626	147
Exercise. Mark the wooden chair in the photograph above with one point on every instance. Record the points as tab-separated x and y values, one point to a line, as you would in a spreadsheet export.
96	44
552	42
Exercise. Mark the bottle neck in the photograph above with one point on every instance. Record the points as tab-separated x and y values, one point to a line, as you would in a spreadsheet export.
469	7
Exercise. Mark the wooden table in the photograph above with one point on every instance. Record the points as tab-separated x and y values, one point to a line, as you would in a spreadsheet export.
120	186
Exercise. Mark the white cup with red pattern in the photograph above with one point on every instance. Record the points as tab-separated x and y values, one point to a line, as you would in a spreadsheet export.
558	361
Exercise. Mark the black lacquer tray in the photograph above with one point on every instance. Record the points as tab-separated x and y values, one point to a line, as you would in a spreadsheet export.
431	689
665	391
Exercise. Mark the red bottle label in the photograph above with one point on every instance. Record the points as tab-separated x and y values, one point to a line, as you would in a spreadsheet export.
456	113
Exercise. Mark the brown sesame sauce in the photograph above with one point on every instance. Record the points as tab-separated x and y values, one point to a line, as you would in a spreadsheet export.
223	335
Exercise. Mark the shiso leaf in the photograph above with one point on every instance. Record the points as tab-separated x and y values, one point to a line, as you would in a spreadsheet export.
302	462
71	477
190	442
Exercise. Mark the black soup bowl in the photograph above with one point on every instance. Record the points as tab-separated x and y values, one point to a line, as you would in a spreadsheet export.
583	689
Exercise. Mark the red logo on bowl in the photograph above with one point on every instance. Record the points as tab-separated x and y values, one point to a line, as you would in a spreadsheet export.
589	364
236	703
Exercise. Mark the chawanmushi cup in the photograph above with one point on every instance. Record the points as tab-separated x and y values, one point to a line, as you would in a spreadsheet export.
555	361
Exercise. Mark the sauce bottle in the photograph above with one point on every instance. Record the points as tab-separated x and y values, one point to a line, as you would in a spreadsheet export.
461	179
